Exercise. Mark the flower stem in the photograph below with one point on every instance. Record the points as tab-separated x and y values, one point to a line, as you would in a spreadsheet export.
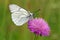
35	37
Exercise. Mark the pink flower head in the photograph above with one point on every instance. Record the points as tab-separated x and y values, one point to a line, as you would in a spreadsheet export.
39	26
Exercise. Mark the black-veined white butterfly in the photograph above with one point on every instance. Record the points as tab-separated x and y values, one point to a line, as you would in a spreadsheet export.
19	15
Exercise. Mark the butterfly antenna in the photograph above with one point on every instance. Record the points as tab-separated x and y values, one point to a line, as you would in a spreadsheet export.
36	11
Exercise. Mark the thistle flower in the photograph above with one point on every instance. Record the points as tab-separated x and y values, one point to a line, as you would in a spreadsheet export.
39	26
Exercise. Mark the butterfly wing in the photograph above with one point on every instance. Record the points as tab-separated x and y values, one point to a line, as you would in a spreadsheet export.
19	15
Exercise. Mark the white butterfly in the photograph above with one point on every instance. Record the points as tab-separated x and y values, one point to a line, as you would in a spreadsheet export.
19	15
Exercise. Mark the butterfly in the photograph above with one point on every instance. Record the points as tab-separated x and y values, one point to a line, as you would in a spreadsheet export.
19	15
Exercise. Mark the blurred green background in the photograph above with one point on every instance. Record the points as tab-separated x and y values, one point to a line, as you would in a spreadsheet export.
49	10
